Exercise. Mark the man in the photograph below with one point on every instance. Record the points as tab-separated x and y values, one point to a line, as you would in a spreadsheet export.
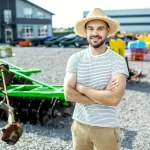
95	80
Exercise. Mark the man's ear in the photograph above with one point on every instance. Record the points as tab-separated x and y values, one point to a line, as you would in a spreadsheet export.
108	30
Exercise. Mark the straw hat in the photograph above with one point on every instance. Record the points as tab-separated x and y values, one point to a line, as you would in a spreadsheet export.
96	13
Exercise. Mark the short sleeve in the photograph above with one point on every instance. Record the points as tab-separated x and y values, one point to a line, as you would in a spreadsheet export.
119	65
72	64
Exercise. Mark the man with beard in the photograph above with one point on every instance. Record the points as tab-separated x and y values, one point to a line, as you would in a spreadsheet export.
96	80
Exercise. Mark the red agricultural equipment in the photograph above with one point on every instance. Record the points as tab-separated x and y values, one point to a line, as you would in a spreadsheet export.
133	73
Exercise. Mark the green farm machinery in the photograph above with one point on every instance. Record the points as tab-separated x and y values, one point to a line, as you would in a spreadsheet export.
33	101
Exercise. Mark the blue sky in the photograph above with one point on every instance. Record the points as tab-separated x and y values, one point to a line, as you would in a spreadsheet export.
69	11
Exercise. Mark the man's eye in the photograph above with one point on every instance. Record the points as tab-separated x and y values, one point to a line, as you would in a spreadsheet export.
101	29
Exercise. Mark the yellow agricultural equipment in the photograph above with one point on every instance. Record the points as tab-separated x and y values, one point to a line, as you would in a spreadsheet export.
119	47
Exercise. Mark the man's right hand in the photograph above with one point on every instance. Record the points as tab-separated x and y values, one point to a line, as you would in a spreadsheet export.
112	85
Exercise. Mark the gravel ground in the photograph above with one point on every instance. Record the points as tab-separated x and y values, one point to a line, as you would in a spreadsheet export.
134	107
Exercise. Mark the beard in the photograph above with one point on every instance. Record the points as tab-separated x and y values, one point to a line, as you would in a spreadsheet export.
97	45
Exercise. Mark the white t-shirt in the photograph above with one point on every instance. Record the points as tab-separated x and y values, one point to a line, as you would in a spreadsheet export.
96	72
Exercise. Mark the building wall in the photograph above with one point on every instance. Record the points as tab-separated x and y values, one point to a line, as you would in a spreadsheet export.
20	5
135	28
130	12
35	29
34	21
19	20
124	12
131	20
7	4
0	30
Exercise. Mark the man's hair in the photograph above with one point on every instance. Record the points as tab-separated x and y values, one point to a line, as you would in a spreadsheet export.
107	25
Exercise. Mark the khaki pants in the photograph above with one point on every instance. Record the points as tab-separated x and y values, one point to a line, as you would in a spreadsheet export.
85	137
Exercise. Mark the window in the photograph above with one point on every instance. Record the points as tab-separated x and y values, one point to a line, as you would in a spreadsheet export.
40	15
27	32
28	12
43	31
7	16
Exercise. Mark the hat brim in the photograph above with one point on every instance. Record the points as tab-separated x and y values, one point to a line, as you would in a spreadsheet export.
80	25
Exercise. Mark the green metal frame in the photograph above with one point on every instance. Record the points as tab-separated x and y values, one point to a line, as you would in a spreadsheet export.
27	72
38	90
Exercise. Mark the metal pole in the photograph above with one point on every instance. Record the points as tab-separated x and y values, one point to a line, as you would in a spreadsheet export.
4	84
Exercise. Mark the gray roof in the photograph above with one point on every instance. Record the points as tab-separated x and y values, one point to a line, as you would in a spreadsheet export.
124	12
38	7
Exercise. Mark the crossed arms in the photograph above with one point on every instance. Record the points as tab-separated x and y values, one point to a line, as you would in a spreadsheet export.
78	93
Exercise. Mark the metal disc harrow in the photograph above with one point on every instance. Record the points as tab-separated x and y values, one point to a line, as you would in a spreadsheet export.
35	110
33	101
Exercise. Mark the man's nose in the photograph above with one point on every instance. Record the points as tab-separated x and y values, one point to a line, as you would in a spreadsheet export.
95	32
